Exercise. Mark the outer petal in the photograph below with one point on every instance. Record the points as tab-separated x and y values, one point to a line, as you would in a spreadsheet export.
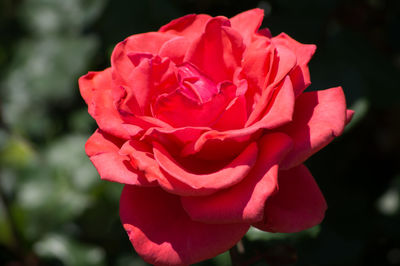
247	23
245	201
189	26
349	116
300	74
95	88
146	44
163	234
319	117
148	76
143	159
102	150
303	52
189	179
298	205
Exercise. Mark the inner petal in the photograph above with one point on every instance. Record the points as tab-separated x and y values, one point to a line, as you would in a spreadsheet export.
197	102
194	84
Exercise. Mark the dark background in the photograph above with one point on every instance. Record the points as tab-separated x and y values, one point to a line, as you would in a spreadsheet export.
54	210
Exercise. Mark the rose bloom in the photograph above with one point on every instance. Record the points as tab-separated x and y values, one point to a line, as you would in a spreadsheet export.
207	124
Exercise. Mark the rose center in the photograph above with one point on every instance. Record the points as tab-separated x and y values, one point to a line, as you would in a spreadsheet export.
195	85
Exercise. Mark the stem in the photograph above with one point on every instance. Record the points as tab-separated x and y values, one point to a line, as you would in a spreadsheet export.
15	236
236	253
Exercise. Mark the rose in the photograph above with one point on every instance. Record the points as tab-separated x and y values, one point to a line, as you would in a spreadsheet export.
207	124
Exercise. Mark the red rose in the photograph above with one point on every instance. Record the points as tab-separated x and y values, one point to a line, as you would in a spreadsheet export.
207	124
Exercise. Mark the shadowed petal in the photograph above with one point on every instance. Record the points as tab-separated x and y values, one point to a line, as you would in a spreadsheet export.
298	204
319	117
163	234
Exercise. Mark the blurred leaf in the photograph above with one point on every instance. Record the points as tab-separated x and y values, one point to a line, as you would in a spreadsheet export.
129	260
223	259
389	202
57	188
256	234
44	73
68	158
48	196
5	230
69	251
360	108
80	121
16	152
45	17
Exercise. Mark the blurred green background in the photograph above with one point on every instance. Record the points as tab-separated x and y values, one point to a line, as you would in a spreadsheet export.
54	210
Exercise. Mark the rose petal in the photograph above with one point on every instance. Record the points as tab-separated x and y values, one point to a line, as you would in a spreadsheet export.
245	201
178	110
284	61
265	32
163	234
279	110
102	150
349	116
219	144
96	90
303	52
149	42
146	43
189	26
149	76
319	117
234	116
300	77
247	23
175	49
257	61
218	51
298	204
176	137
141	155
227	176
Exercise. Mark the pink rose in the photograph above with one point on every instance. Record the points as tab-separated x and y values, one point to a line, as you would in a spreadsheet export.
207	125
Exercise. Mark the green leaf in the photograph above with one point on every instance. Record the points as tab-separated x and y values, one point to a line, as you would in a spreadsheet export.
44	17
69	251
256	234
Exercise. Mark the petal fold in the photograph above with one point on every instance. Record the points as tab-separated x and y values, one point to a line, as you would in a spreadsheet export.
96	90
226	176
245	201
103	151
